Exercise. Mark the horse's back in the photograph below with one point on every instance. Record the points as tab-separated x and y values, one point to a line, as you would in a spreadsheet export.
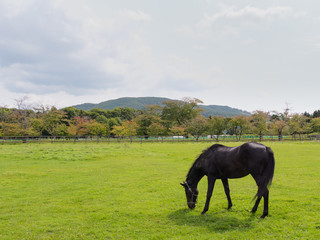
248	158
226	162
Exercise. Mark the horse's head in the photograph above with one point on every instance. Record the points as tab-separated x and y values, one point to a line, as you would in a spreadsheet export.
191	194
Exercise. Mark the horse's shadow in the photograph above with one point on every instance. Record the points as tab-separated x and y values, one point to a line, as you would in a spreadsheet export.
217	222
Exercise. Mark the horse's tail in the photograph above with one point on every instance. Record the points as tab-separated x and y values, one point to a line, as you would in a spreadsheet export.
267	174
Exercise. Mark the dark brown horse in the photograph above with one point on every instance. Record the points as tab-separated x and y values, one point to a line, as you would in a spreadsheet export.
221	162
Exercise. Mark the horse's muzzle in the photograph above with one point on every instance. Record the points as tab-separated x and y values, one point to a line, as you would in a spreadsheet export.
191	205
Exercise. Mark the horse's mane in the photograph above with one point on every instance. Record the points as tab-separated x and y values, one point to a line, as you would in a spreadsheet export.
197	163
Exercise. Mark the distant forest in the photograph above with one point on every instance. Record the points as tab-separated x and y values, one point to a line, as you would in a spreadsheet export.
171	117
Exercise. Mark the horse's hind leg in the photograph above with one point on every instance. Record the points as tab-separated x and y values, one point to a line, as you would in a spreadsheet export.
265	196
262	192
255	207
227	191
266	204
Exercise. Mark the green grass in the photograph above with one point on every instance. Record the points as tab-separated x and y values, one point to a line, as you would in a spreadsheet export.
132	191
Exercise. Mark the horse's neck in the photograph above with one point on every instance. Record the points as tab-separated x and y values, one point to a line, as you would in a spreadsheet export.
195	176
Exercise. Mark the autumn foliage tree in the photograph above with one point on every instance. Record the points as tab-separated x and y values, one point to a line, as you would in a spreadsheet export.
177	118
278	124
86	127
128	128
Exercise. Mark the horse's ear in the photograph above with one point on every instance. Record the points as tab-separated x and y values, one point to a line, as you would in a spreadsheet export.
183	184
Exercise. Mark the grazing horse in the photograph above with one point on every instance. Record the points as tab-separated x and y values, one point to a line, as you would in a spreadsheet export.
221	162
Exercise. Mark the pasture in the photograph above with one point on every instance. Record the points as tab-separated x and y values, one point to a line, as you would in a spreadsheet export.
132	191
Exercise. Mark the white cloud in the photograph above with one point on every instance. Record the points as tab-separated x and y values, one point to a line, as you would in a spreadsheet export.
186	30
10	9
232	12
135	15
186	75
66	52
50	46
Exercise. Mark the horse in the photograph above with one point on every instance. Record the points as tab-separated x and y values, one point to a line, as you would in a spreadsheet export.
222	162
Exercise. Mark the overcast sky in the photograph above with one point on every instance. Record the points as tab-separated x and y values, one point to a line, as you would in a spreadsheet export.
252	55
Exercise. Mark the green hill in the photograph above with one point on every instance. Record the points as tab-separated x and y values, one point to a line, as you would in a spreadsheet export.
142	102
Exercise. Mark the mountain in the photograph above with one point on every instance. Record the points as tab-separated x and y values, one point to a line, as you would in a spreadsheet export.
216	110
132	102
142	102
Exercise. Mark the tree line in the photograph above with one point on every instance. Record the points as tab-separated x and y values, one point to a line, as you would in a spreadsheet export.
175	118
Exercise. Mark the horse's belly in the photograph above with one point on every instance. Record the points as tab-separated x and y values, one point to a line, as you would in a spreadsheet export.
239	173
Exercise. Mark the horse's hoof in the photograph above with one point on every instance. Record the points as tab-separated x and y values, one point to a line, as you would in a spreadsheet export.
263	216
203	212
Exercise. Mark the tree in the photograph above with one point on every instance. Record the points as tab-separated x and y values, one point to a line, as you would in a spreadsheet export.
54	122
298	124
128	128
278	124
4	117
15	129
278	127
22	103
217	125
316	114
315	125
154	110
71	112
102	119
82	126
239	126
95	129
23	111
4	113
112	122
197	126
258	121
144	121
156	129
177	131
179	112
97	112
125	114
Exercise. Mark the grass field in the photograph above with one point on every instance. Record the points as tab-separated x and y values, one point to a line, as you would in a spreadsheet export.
132	191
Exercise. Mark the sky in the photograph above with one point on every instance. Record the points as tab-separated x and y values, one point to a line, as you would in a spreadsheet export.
251	55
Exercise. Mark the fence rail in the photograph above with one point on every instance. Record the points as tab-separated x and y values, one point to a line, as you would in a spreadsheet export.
149	139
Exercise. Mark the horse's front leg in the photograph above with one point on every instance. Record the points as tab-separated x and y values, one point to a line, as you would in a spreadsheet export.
227	191
211	181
